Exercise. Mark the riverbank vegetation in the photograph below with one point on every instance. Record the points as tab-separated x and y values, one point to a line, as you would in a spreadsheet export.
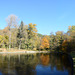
27	37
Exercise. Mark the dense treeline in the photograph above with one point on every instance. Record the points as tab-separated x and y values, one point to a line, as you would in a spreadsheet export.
27	37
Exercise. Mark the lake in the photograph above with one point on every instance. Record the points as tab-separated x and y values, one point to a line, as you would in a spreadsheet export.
36	64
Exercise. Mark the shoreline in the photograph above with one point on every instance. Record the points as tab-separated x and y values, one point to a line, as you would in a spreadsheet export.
23	52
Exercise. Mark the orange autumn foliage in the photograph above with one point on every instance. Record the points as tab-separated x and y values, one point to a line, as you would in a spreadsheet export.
44	43
45	59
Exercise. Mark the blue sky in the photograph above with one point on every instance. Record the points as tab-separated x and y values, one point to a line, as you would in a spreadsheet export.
49	15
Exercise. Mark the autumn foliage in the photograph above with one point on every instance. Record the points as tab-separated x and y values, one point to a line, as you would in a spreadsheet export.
44	43
22	36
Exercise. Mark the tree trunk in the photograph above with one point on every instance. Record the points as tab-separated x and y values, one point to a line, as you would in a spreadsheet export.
9	39
20	45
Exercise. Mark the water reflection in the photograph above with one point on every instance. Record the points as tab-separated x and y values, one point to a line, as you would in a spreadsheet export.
36	64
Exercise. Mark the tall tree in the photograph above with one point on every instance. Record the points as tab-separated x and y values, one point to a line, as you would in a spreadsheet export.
59	38
52	39
20	34
12	22
32	34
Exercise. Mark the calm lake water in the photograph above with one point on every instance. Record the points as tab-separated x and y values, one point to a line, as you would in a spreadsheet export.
36	64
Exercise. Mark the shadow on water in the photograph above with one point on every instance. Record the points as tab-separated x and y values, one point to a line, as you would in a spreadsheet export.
36	64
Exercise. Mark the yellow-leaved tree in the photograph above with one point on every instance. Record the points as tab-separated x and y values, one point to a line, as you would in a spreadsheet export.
44	43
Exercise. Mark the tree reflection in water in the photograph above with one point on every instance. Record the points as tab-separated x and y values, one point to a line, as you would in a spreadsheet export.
55	64
36	64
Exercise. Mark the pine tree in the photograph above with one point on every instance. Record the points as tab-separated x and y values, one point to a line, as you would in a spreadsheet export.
20	34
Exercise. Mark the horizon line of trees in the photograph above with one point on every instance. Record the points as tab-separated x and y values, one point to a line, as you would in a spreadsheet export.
26	37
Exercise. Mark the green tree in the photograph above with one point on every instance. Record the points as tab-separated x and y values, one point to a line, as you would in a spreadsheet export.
20	34
52	40
1	40
59	38
71	31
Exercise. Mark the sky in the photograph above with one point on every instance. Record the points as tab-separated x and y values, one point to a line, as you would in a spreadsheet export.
49	15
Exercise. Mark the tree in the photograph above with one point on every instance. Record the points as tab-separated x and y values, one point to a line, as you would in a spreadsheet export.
59	37
20	34
71	31
32	35
12	22
52	41
14	32
32	31
1	40
44	43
